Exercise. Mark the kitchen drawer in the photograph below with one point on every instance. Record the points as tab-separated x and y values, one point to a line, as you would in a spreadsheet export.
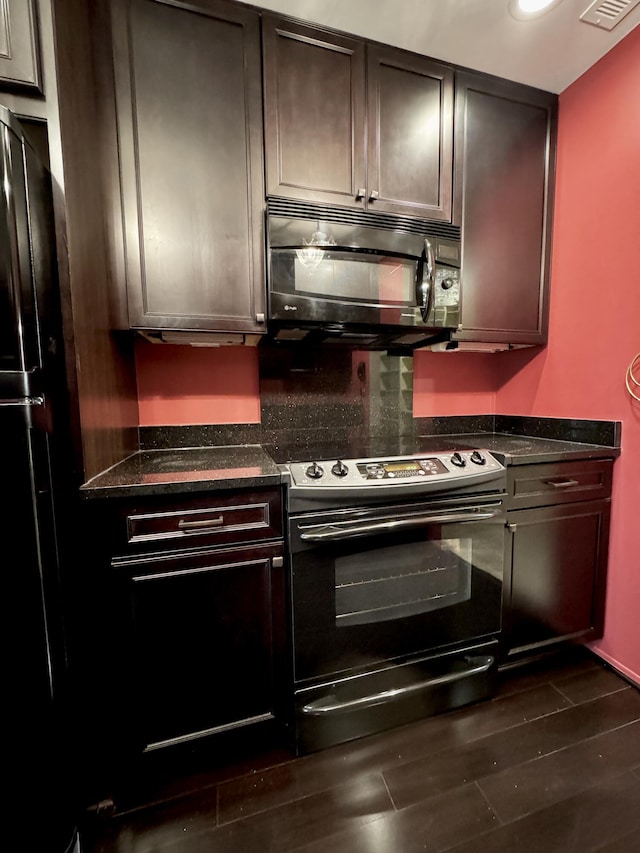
170	523
558	482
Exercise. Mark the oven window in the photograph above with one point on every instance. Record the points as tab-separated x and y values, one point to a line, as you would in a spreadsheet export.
369	279
402	580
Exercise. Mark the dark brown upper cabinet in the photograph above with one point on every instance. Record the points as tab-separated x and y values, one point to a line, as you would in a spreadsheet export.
356	124
189	111
504	176
19	53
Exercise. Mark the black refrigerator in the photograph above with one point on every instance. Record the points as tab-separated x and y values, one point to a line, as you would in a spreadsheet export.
36	483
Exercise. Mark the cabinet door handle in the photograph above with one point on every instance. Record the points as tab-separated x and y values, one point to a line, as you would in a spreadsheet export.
374	195
562	484
187	526
511	527
360	194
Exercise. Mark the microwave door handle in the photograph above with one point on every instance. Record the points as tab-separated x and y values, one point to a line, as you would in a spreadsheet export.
335	532
420	281
425	280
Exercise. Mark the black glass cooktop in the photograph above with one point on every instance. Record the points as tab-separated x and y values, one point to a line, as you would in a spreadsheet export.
367	448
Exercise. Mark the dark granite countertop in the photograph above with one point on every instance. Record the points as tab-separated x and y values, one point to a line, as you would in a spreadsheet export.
521	449
195	469
510	449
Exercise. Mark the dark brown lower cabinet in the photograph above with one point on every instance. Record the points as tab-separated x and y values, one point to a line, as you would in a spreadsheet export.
556	561
181	638
201	635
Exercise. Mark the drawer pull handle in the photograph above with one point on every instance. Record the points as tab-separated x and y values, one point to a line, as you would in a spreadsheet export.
562	484
188	526
331	704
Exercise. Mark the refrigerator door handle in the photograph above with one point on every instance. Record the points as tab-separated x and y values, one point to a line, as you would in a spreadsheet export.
25	402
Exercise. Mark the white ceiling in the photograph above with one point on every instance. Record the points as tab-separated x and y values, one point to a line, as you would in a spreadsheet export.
549	52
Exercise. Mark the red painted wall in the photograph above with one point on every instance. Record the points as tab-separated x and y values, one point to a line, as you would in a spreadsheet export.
595	309
454	384
196	385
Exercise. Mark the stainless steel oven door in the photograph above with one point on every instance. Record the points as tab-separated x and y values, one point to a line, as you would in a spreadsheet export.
375	584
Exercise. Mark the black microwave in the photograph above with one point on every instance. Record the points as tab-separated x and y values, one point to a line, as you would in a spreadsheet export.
360	283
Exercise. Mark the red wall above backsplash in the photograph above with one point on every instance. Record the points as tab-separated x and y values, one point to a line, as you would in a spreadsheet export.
196	385
454	383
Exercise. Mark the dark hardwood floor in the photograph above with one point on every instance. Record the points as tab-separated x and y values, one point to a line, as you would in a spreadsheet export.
552	763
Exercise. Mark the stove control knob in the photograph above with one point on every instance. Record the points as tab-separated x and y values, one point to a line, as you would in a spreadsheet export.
339	469
458	460
314	471
478	458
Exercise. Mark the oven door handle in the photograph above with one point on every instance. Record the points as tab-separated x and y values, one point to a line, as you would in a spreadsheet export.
330	704
345	530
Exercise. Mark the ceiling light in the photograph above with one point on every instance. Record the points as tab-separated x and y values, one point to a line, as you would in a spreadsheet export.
530	7
525	10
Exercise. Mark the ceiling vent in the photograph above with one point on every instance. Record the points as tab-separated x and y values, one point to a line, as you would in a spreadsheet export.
606	14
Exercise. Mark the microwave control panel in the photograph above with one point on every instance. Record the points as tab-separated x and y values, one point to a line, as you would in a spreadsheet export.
447	291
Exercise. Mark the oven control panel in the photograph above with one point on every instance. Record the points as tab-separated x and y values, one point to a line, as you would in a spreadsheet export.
402	469
409	471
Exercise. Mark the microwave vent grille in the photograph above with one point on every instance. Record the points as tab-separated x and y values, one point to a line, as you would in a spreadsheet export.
345	216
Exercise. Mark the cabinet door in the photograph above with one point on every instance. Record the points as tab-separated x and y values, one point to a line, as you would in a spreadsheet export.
558	572
19	57
504	163
202	641
190	124
410	134
314	91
